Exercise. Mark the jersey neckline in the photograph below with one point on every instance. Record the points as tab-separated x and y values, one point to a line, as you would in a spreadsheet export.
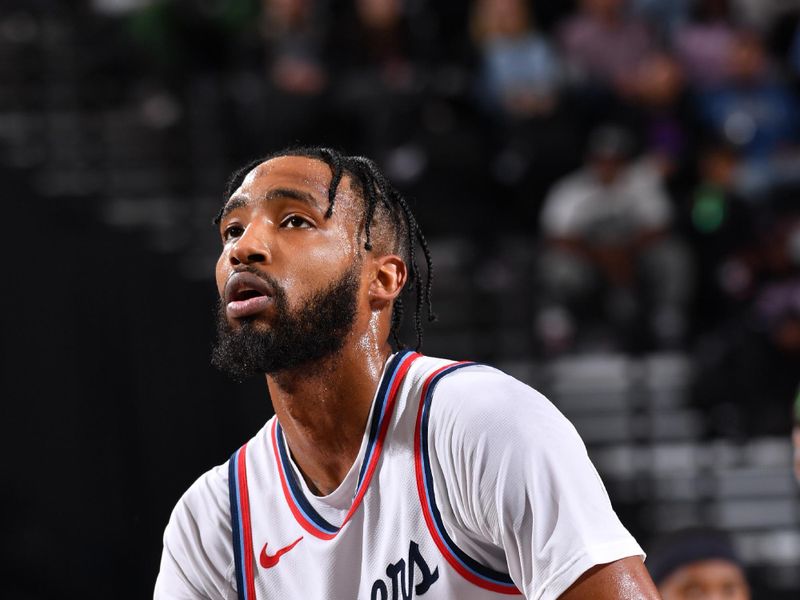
305	514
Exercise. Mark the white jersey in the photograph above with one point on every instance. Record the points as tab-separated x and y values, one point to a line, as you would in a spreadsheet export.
469	485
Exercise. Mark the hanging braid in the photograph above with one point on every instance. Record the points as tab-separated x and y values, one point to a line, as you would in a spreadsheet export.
380	198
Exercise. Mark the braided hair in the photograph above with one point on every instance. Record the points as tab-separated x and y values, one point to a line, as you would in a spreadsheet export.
383	205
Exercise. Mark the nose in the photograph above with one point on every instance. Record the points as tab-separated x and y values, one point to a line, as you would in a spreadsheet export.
251	247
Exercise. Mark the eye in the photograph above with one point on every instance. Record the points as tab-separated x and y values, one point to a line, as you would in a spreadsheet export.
232	231
295	222
694	592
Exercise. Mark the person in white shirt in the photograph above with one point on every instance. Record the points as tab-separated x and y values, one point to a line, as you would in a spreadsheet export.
610	254
698	563
382	474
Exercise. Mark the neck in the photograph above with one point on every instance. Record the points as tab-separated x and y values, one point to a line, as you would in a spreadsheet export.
323	409
609	19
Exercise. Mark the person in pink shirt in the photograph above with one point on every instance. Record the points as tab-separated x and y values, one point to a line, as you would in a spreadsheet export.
603	45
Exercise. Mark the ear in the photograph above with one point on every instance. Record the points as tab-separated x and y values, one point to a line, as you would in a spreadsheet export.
388	278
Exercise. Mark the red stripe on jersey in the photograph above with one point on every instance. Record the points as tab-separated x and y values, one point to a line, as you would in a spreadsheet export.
309	526
389	411
440	543
299	517
247	530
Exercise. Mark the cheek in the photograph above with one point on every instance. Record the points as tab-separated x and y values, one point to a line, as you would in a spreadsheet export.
313	270
316	269
221	272
328	259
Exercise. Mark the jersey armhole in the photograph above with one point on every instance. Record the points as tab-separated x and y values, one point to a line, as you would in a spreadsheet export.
241	531
473	571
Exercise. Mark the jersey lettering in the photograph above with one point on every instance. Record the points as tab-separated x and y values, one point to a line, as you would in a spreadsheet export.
402	580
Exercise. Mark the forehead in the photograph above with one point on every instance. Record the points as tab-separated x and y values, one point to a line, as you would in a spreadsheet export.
710	572
309	175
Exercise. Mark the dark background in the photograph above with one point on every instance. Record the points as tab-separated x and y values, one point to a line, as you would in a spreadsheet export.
119	124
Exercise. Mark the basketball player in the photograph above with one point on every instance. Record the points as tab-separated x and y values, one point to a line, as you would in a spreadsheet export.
698	564
383	475
796	435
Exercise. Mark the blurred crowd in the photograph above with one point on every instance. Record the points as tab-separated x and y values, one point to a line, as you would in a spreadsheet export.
649	151
644	154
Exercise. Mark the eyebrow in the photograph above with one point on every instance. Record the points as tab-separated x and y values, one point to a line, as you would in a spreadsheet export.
274	194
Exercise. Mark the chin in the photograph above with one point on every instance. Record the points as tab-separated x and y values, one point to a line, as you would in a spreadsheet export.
258	324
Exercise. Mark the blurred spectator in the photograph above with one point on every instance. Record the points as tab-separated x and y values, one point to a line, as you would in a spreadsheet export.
118	7
796	435
184	37
748	367
603	45
793	53
663	17
698	564
520	71
721	230
704	44
288	101
383	42
661	110
758	113
777	298
378	79
760	14
295	44
607	228
519	86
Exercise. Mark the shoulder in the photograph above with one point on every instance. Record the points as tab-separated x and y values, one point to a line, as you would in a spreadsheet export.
207	499
574	186
202	517
206	503
205	506
481	419
197	559
480	413
566	199
478	395
512	472
486	378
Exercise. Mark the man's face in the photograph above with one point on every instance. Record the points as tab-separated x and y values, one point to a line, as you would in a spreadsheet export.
289	279
607	168
603	8
706	580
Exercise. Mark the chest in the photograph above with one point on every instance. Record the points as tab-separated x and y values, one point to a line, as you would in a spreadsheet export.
384	549
390	542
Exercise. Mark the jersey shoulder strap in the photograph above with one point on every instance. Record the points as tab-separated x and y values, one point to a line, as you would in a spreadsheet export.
240	525
472	570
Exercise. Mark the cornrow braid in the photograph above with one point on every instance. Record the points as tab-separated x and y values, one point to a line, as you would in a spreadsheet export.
376	191
333	159
424	295
397	321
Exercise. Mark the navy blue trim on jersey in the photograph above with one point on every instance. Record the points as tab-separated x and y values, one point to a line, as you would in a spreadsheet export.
295	489
238	541
378	417
467	561
377	414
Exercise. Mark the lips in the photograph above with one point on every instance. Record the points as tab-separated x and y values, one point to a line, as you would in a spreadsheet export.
246	294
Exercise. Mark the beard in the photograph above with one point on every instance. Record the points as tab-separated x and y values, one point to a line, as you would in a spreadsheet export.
295	338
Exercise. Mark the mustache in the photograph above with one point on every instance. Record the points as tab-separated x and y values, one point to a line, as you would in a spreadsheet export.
266	277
